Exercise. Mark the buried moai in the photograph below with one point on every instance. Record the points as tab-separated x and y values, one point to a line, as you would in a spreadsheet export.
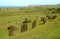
43	20
34	24
11	30
24	27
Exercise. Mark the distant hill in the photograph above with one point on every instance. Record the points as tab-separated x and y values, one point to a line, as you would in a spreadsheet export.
43	5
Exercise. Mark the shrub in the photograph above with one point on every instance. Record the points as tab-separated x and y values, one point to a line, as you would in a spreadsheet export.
9	21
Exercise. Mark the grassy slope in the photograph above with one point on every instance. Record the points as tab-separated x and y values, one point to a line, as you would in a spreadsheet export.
50	30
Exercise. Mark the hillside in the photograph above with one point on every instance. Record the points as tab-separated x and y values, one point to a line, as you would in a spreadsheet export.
43	22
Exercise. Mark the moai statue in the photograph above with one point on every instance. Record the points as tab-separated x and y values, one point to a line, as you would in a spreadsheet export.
24	27
26	21
54	17
34	24
43	20
11	30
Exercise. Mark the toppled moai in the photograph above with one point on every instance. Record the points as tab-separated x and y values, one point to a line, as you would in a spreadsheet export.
24	27
11	30
34	24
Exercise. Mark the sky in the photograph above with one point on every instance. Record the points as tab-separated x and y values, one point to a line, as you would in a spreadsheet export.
28	2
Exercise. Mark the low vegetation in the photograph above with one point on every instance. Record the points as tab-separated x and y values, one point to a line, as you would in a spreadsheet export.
38	22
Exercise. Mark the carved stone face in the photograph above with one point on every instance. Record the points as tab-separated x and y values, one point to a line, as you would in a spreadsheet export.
23	27
11	30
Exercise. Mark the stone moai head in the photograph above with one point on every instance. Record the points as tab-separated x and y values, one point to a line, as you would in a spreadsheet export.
11	30
26	20
24	27
43	20
34	24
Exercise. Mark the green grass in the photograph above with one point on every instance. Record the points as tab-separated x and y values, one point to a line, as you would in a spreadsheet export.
50	30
